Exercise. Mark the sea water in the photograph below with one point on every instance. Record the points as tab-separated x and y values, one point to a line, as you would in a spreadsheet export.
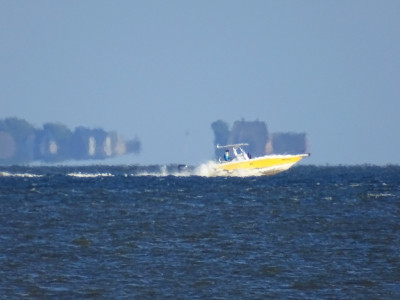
134	232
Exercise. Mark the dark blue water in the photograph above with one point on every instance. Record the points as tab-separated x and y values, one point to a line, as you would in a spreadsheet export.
110	233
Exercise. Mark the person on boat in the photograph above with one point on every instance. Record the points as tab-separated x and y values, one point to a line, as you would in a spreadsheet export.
226	155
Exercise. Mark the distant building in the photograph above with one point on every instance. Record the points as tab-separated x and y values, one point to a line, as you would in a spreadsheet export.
288	143
20	142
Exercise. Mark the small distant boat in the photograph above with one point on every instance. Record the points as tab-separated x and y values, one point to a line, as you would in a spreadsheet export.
265	165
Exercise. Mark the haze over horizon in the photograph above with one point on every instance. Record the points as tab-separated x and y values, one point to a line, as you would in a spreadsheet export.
164	71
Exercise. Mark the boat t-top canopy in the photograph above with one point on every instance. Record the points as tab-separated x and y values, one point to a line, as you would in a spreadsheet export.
235	146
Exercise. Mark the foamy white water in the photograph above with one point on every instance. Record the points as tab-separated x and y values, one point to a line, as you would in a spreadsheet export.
89	175
210	169
207	169
8	174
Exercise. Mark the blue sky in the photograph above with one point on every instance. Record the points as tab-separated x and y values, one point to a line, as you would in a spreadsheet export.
165	70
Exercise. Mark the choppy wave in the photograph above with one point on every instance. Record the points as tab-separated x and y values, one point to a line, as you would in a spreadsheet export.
89	175
143	232
9	174
379	195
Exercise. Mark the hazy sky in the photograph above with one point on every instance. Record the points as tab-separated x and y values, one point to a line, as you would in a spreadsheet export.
165	70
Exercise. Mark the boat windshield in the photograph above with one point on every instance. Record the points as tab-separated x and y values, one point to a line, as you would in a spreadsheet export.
241	155
238	153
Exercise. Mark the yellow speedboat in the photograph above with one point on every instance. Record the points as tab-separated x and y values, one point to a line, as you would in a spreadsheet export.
265	165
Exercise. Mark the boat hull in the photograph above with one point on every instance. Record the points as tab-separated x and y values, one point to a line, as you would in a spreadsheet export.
265	165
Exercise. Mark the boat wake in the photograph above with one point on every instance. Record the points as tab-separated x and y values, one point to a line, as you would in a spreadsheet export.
210	169
207	169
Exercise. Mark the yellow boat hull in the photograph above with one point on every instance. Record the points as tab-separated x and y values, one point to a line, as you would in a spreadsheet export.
266	165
